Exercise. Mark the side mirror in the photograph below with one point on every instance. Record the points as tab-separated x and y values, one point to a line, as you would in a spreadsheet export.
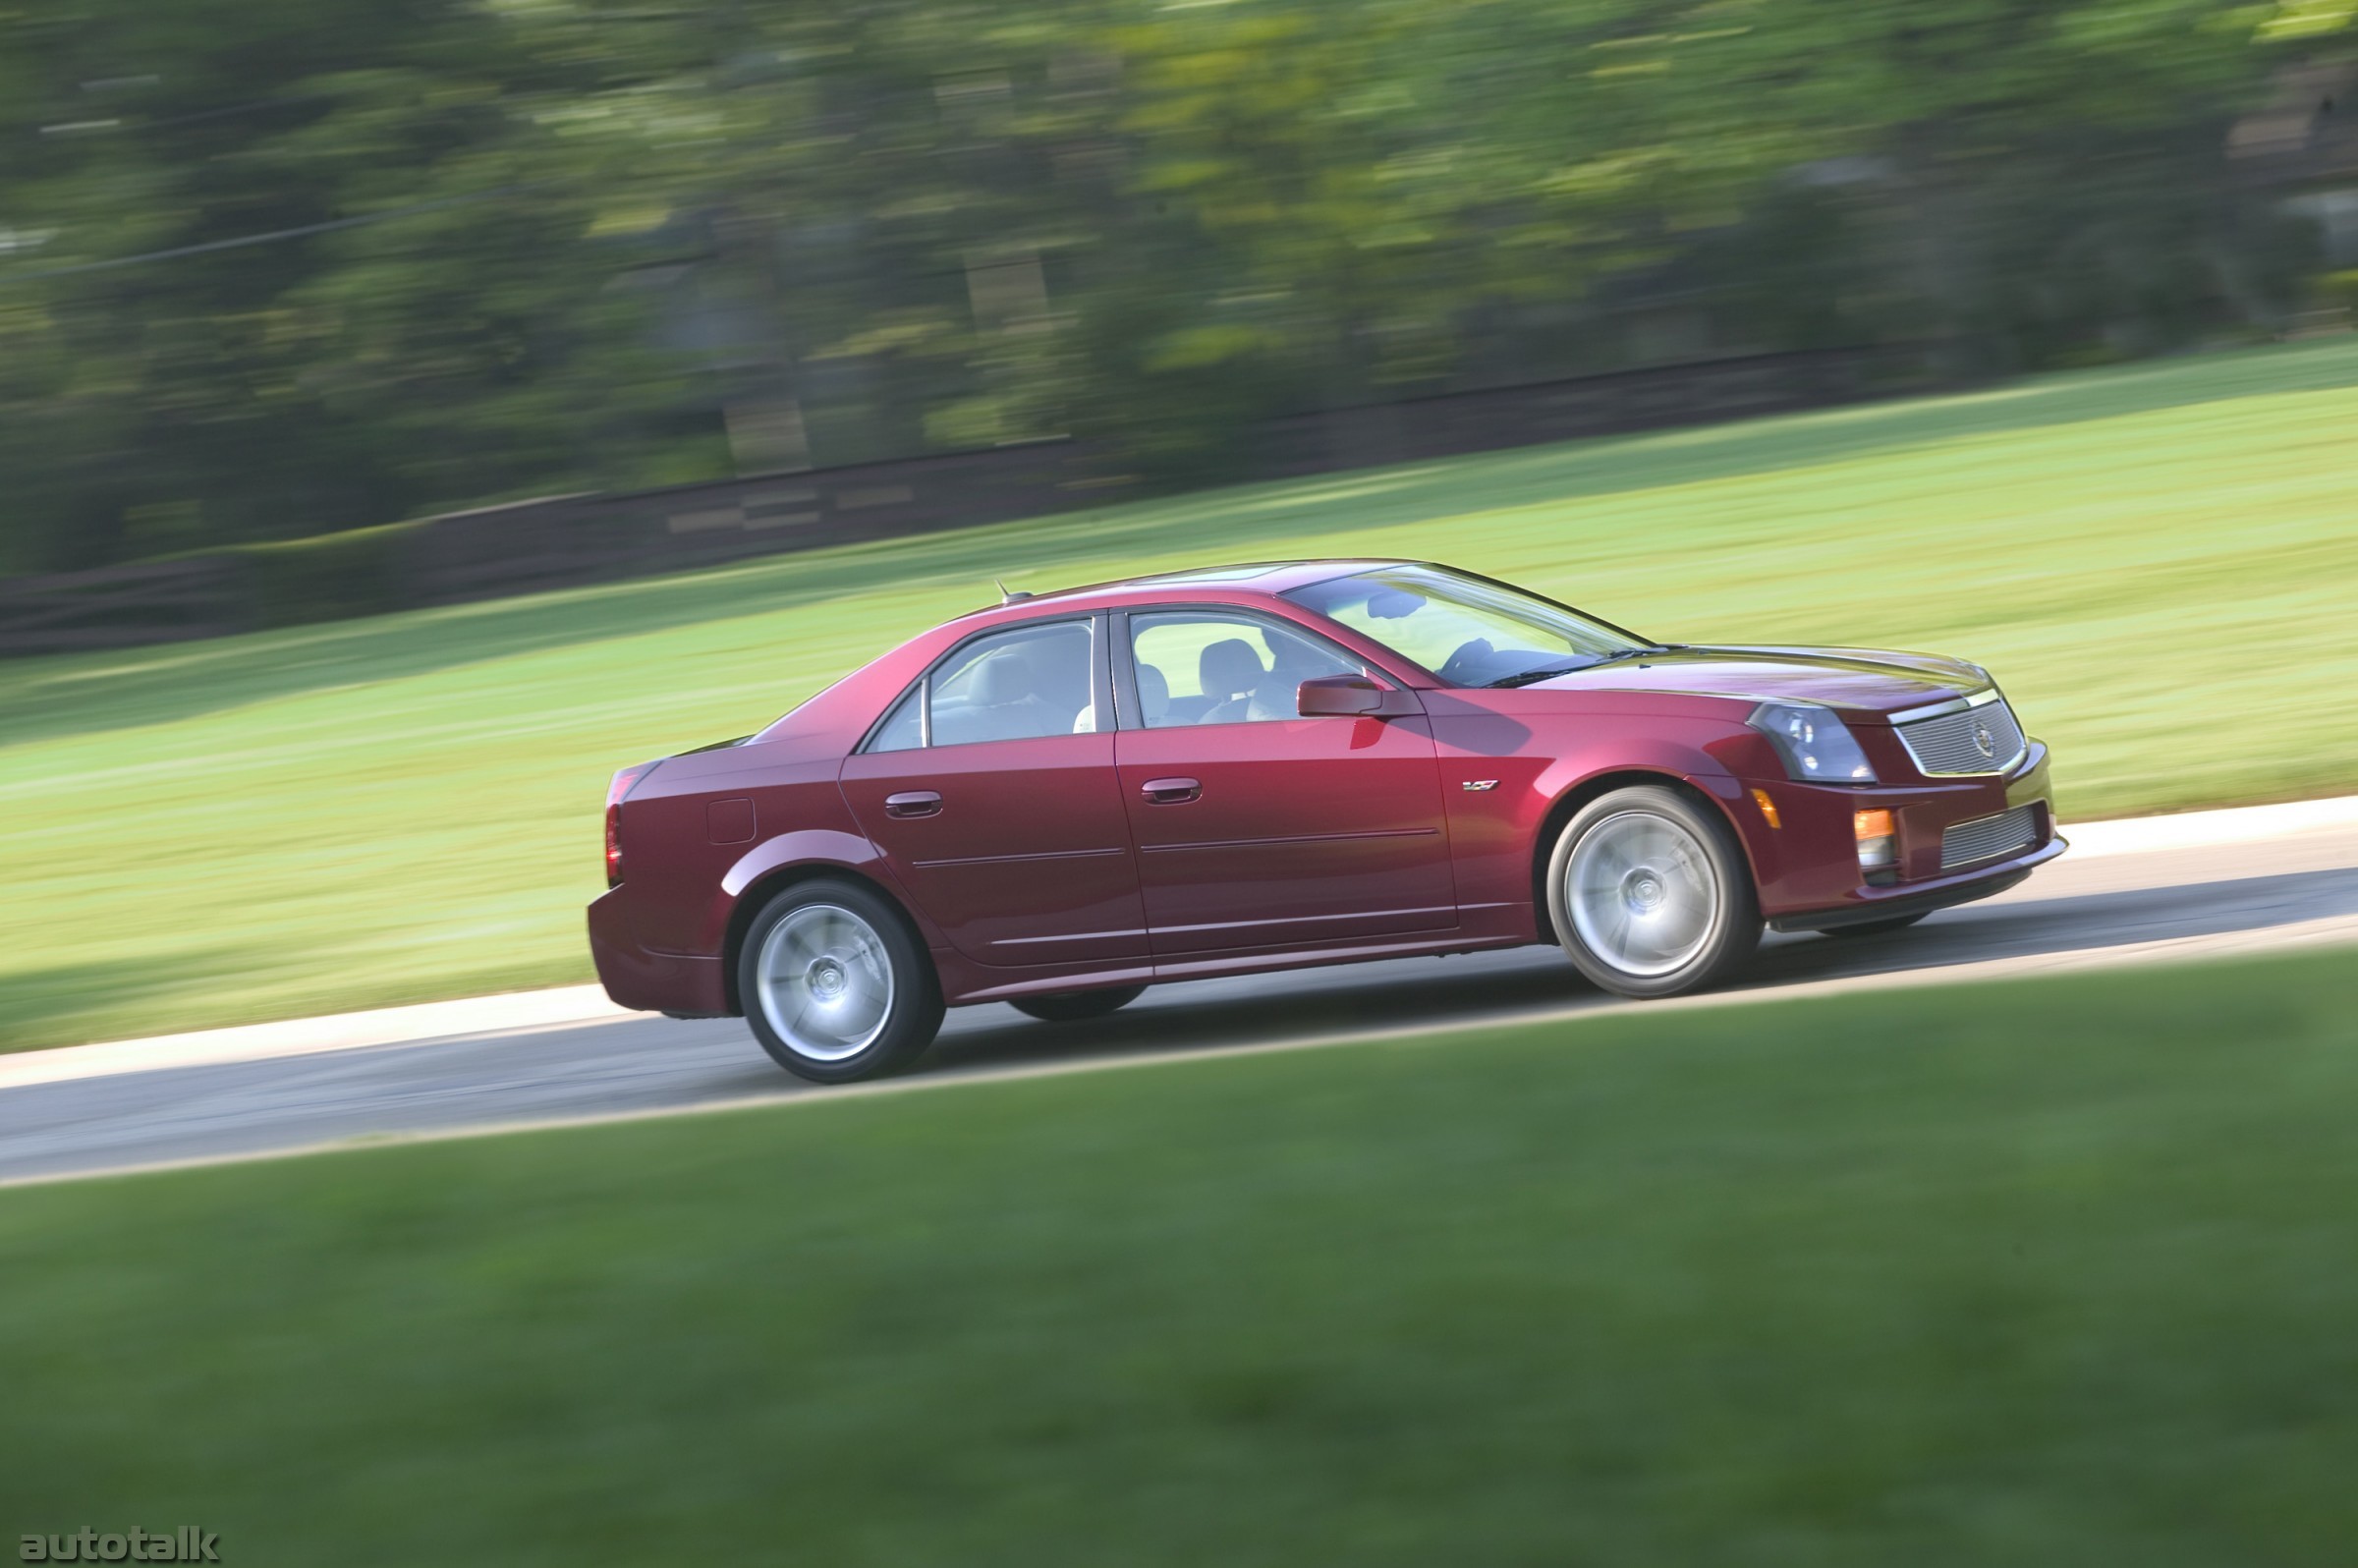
1348	697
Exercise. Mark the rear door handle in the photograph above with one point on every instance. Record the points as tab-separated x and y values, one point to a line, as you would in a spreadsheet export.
913	802
1170	790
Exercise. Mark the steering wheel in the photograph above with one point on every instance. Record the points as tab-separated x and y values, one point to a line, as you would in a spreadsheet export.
1465	661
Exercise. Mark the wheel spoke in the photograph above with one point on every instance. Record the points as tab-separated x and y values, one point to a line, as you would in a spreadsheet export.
800	947
1612	860
833	935
1618	938
1683	922
865	1010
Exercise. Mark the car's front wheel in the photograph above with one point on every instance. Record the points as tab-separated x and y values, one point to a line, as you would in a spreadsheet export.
835	986
1074	1007
1651	894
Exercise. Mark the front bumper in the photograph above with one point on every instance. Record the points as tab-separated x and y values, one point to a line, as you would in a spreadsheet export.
1899	902
1808	869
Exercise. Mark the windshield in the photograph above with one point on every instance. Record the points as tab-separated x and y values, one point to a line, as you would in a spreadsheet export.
1466	631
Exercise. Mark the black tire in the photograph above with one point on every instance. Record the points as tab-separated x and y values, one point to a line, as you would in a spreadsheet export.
1897	923
1073	1007
848	946
1696	886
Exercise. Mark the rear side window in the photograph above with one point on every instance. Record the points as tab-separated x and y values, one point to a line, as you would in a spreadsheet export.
1026	683
905	729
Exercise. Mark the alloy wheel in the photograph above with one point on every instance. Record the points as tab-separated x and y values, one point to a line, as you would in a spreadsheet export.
825	984
1642	893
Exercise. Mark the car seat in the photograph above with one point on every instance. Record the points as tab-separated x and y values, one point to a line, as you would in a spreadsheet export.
1154	695
1006	705
1229	671
1291	662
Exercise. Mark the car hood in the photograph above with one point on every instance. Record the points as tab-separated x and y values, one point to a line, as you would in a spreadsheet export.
1862	680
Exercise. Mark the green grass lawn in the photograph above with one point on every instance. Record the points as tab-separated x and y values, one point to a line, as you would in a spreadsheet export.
2054	1271
2160	562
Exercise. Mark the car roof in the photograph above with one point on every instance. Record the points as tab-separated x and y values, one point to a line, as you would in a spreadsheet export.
1243	581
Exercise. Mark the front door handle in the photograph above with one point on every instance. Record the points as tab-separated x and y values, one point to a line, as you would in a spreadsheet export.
913	802
1170	790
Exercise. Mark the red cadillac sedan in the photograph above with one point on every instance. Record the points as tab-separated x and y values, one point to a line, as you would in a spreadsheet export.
1062	799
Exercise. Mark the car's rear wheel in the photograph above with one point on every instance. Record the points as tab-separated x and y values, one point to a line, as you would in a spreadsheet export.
1898	923
1072	1007
1651	894
835	986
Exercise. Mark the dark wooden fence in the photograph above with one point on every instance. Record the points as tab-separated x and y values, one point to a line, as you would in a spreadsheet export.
564	542
596	538
123	606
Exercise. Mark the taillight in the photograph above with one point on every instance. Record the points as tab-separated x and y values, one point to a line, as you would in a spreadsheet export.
616	793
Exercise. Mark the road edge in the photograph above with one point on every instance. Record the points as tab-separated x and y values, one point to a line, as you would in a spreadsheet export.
2330	932
568	1006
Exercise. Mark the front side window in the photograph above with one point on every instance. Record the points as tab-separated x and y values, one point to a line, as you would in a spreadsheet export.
1466	631
1022	683
1201	668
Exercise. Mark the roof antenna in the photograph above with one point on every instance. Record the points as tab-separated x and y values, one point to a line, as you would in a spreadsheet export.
1008	595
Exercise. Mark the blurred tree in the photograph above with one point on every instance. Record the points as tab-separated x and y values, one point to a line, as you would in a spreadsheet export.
270	268
2039	179
298	268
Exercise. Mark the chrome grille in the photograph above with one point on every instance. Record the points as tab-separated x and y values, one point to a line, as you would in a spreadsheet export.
1982	739
1989	838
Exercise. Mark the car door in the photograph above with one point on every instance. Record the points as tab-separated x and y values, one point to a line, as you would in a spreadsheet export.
991	789
1259	828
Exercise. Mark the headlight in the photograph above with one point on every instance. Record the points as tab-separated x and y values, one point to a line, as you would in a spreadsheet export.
1816	747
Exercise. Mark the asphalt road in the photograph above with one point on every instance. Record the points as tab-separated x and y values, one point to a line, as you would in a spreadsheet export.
2157	906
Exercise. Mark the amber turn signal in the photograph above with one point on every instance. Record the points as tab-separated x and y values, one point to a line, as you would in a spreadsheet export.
1759	798
1878	841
